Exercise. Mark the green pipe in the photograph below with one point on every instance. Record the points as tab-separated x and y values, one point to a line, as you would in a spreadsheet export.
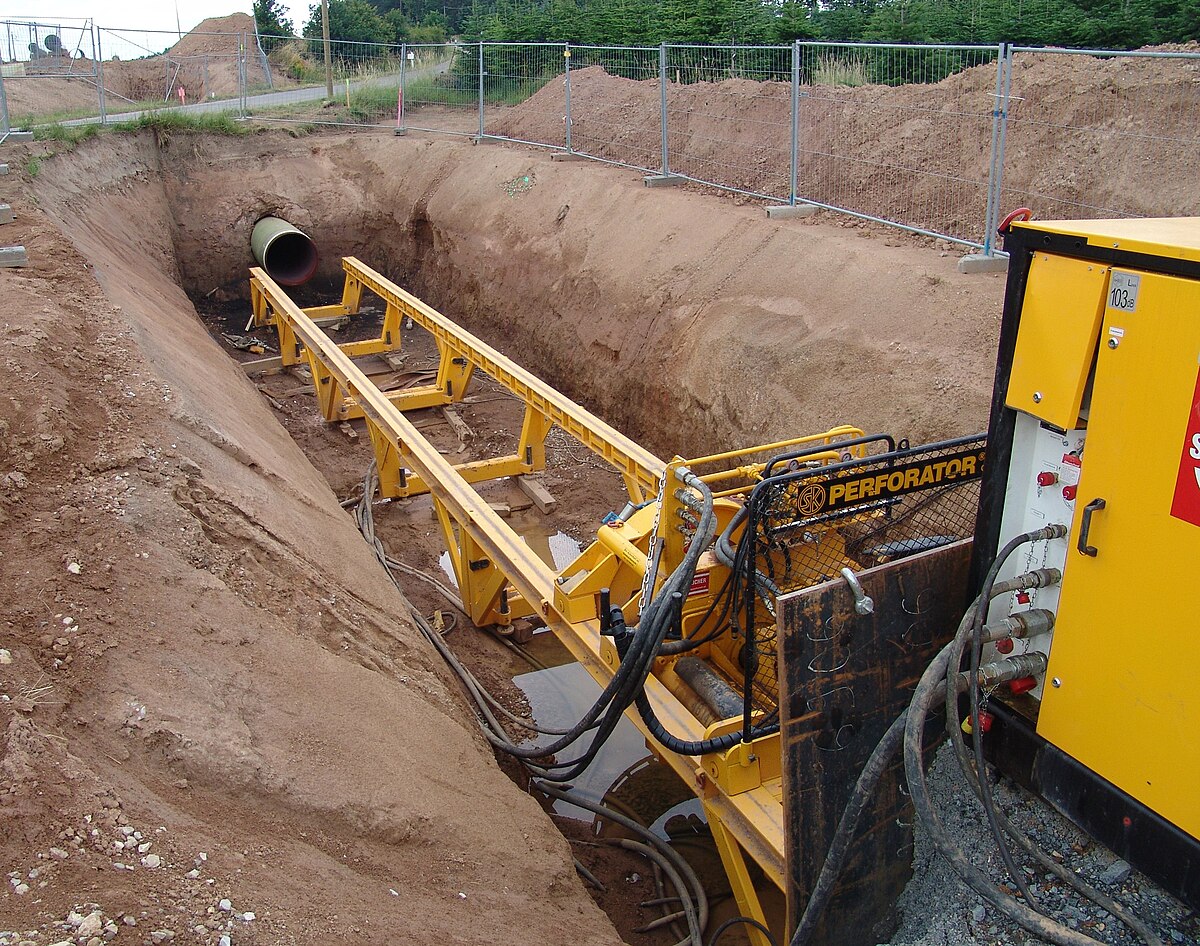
286	253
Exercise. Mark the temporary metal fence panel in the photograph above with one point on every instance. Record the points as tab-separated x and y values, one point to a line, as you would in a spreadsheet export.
729	117
900	134
364	77
442	90
144	70
614	94
936	139
50	72
524	92
1135	109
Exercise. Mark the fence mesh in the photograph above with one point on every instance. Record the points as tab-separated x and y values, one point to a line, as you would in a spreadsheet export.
365	79
935	139
532	77
729	117
441	88
148	69
615	105
49	72
901	134
1143	111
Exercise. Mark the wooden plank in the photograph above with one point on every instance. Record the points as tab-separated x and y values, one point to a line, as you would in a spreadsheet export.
538	493
459	426
265	365
843	678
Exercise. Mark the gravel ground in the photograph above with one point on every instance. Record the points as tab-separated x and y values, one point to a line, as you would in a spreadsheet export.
963	919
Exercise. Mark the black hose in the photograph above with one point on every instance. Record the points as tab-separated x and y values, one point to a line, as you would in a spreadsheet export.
746	921
695	747
696	934
694	887
985	790
927	692
971	776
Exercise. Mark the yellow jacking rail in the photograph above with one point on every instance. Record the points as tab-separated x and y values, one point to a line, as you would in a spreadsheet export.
501	578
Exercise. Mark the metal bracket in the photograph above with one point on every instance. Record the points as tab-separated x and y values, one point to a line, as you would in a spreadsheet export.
862	601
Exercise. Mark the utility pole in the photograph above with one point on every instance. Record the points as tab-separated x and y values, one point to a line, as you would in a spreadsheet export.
328	55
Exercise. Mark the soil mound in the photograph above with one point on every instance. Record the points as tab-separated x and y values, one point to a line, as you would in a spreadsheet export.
1087	136
201	41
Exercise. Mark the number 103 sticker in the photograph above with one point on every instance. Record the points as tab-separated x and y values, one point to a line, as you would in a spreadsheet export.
1123	291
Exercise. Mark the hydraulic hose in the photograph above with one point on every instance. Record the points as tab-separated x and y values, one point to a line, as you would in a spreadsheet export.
928	691
1049	532
677	860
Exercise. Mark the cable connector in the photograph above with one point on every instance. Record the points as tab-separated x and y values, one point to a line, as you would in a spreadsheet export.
1038	578
687	517
1032	664
1022	624
612	624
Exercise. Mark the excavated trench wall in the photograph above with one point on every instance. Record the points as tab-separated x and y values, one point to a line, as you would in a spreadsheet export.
688	321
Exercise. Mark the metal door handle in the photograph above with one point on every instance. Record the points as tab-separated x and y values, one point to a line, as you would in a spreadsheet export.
1086	526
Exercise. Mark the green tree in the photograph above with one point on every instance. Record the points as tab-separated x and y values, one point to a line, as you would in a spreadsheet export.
350	21
794	21
272	21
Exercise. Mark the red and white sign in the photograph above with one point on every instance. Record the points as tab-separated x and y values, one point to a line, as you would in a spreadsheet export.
699	584
1186	505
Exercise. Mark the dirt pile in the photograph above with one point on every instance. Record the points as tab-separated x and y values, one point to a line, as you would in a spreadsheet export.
1107	134
216	720
215	36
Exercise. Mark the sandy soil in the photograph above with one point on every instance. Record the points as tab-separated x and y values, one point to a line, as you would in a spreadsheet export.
229	673
255	691
202	650
226	663
689	323
1082	130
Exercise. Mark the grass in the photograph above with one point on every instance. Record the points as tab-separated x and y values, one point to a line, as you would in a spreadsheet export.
852	71
213	123
114	105
163	122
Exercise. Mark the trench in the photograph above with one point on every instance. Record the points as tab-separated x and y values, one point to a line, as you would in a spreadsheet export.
685	322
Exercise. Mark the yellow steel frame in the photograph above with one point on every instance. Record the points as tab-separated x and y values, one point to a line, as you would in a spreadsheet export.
461	354
500	577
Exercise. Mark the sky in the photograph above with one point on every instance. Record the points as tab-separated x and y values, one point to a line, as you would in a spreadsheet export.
137	14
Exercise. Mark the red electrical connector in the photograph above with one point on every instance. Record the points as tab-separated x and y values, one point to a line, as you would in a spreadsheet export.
985	723
1047	479
1022	685
1004	645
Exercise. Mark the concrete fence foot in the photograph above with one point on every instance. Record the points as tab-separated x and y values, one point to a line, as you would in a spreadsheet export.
981	263
791	212
13	256
662	180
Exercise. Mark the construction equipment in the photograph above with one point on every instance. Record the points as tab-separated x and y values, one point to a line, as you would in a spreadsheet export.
776	619
1096	425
